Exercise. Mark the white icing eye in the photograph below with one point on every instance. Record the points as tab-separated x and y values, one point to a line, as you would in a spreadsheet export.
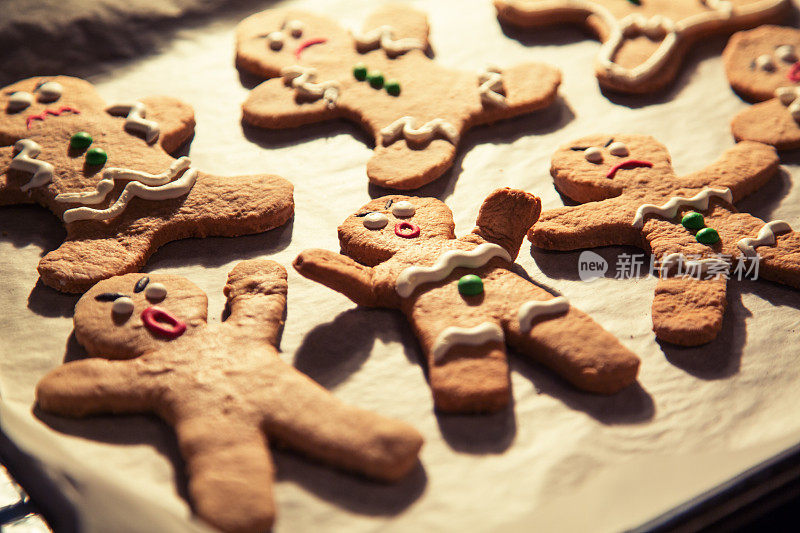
275	40
786	53
375	220
49	91
786	95
295	27
593	154
618	149
403	208
19	100
764	62
122	306
155	291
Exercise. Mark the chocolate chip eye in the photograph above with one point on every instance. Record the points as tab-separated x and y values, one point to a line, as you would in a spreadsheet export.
49	91
403	209
275	40
764	62
19	100
593	154
295	28
786	53
375	220
618	149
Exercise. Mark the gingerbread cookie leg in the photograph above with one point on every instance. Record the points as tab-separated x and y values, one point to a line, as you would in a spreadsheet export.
403	165
767	122
743	169
688	311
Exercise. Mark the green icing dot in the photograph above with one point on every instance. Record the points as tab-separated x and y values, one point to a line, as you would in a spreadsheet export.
80	140
470	285
707	236
393	87
375	79
360	72
693	220
96	156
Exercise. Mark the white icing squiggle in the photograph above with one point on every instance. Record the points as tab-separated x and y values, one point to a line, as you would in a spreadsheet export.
404	127
766	237
789	98
414	276
135	120
24	161
383	37
530	311
110	175
475	336
670	209
135	189
693	267
303	79
491	83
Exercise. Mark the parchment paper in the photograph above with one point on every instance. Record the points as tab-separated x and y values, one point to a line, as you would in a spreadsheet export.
558	458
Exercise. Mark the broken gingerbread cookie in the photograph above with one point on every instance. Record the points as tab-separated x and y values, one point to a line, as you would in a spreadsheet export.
463	300
644	41
630	195
223	388
763	65
381	78
107	173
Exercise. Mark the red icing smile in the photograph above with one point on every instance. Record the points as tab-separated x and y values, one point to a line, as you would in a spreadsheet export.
629	164
306	44
794	73
407	230
55	113
162	322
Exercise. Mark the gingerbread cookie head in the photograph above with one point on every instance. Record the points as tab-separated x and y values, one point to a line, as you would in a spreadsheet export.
385	225
758	62
598	167
129	315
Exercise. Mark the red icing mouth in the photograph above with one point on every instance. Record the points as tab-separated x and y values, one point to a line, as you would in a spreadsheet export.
629	164
794	73
162	322
407	230
55	113
306	44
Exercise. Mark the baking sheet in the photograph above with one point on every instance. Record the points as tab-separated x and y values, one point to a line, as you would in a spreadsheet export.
558	458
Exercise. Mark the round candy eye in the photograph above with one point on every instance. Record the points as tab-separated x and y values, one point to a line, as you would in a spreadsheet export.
122	306
618	149
764	62
275	40
403	208
375	220
295	27
155	291
593	154
786	53
49	91
19	100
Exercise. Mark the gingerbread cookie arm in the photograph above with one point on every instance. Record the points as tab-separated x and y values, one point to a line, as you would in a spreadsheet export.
768	122
495	225
688	311
10	192
174	118
256	292
396	28
95	386
275	104
341	274
780	262
743	169
514	91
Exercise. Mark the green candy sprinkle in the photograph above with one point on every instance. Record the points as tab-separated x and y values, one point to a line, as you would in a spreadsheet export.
360	72
80	140
375	80
96	156
470	285
707	236
693	220
393	87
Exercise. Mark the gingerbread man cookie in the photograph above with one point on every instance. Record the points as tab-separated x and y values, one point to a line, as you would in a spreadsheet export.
644	41
463	300
763	65
631	196
224	388
416	109
106	171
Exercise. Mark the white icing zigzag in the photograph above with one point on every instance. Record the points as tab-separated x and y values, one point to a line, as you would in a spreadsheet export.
110	175
383	37
410	278
789	98
404	127
530	311
135	120
491	83
302	79
474	336
670	209
135	189
24	161
766	237
694	267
